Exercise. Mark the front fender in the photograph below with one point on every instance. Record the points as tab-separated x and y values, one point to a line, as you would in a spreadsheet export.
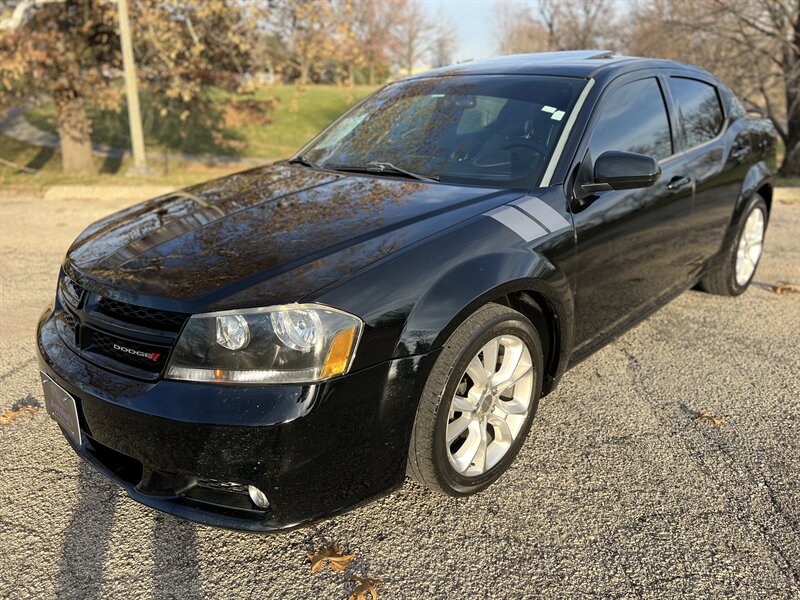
412	303
479	280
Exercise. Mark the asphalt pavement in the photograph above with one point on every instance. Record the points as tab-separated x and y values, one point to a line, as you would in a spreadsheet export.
666	464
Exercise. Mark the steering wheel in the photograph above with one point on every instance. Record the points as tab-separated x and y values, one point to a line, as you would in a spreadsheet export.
527	145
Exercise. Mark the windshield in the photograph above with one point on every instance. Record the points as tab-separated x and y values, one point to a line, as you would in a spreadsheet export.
495	130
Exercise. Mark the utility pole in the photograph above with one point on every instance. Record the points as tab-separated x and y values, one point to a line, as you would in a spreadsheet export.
132	93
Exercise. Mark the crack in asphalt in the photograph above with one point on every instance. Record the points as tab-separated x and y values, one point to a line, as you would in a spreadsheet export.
17	369
773	507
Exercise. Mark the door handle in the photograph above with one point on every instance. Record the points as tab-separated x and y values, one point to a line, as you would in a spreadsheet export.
740	153
678	182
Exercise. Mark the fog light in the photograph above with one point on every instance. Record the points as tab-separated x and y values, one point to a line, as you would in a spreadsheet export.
257	496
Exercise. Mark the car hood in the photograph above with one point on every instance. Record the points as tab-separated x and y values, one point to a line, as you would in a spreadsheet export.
272	234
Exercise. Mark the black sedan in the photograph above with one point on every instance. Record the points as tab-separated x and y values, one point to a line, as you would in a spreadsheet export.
278	345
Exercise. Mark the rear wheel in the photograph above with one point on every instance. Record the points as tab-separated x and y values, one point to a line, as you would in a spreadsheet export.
478	403
734	270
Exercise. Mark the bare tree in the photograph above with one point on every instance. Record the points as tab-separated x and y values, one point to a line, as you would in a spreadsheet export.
412	35
579	24
556	25
445	42
373	31
516	30
753	45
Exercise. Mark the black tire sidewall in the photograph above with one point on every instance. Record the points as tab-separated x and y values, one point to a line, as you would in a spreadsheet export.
511	323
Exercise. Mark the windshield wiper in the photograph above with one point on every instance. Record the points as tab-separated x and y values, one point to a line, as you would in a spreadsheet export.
385	167
380	167
302	160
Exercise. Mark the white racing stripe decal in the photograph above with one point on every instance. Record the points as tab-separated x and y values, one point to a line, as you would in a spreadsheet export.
526	228
546	215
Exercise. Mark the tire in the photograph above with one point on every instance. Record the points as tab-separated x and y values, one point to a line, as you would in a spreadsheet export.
721	278
440	466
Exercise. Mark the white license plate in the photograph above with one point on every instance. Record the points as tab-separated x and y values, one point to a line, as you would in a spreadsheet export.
61	406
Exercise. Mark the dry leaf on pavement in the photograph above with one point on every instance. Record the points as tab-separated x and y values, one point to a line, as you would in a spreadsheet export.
365	586
706	417
332	555
786	288
7	416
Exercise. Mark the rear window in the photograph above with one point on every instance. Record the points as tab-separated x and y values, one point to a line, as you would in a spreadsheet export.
700	109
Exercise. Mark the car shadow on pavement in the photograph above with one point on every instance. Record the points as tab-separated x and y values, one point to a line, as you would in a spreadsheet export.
176	570
87	538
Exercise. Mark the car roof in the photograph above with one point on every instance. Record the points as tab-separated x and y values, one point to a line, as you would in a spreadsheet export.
571	63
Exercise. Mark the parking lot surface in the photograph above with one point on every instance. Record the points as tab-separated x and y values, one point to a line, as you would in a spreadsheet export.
668	463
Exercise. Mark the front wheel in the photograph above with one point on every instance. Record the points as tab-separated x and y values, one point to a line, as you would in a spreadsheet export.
478	403
736	266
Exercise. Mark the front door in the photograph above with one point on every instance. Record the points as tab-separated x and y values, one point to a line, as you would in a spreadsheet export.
631	251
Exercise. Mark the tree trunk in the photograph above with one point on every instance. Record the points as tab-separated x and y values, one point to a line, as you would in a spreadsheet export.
74	129
791	162
791	66
371	73
351	74
304	68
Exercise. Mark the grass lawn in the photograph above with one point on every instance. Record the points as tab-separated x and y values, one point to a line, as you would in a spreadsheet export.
298	115
110	171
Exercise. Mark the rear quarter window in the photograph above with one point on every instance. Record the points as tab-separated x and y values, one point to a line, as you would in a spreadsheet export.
700	109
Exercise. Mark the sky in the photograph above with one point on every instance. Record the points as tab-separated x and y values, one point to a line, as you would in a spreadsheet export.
475	23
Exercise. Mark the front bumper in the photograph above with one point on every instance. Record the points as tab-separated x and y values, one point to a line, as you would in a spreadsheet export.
313	450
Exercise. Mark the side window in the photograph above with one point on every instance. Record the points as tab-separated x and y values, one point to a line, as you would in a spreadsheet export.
700	109
633	119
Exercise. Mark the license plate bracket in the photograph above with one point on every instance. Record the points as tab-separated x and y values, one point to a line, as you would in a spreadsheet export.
61	406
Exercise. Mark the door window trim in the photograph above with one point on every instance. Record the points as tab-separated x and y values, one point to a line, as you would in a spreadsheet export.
725	115
603	100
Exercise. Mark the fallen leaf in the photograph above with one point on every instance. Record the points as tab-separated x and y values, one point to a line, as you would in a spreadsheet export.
786	288
791	202
28	401
9	415
705	417
332	556
365	586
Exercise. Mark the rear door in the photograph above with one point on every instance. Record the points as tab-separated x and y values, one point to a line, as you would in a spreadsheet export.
719	148
631	248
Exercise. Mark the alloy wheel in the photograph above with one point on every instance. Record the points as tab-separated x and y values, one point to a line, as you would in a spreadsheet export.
751	243
490	405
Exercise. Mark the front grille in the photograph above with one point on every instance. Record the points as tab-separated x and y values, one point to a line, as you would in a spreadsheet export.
148	358
76	288
139	315
66	325
72	292
69	322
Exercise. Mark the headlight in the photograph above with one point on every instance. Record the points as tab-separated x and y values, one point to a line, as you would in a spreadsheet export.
296	343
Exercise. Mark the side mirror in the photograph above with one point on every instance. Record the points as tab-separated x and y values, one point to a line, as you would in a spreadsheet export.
615	170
